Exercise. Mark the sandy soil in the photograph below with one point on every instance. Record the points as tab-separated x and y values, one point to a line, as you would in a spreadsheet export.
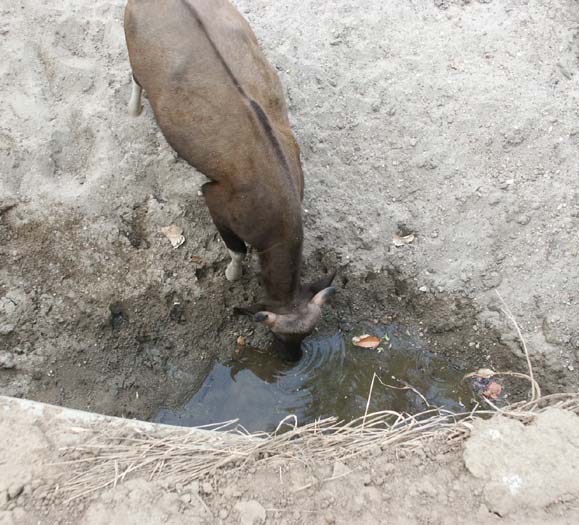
452	119
505	472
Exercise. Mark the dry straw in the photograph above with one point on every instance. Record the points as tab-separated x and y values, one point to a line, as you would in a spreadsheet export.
184	455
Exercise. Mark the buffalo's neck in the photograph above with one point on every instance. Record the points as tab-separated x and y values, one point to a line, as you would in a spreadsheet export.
280	269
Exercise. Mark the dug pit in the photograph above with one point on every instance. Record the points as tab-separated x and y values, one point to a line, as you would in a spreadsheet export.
111	336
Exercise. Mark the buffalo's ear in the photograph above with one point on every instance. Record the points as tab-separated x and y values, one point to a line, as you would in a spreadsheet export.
321	284
321	297
249	310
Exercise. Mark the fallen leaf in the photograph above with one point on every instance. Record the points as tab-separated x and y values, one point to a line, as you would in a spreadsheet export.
366	341
399	240
175	234
493	390
196	259
485	373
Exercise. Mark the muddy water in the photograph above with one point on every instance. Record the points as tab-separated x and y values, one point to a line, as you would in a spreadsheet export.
332	379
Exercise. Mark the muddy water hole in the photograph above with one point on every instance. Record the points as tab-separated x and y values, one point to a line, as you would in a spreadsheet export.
174	358
333	379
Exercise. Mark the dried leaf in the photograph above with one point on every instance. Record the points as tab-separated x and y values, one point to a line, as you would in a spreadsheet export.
493	390
175	234
485	373
366	341
196	259
399	240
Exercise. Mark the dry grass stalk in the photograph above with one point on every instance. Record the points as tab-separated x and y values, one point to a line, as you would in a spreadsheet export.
535	390
186	455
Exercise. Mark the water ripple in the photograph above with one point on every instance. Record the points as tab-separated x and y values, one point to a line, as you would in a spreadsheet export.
332	379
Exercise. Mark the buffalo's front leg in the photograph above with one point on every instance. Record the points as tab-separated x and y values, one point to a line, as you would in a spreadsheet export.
135	106
237	248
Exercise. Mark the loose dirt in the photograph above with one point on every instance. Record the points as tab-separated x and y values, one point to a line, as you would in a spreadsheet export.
506	472
453	120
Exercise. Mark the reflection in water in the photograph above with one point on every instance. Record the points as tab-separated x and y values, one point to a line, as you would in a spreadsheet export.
332	379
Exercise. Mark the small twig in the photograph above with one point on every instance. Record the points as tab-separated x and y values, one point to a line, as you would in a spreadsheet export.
116	473
406	387
535	390
369	398
284	422
325	480
200	499
301	510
